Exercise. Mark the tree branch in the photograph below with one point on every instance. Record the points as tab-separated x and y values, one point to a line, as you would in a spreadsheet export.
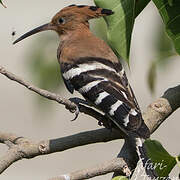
52	96
26	148
114	165
20	147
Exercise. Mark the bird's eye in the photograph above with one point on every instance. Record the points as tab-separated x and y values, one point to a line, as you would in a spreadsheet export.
61	20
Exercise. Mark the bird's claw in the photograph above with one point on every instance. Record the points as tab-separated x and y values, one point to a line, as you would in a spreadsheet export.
76	113
77	101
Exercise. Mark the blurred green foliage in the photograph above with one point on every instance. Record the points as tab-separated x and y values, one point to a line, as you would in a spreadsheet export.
152	75
42	63
164	51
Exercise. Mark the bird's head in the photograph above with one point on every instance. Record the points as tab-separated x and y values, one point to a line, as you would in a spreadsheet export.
69	19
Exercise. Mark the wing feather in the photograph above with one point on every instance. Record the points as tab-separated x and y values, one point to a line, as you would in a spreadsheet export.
106	87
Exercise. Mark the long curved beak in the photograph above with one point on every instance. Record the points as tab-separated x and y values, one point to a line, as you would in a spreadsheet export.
44	27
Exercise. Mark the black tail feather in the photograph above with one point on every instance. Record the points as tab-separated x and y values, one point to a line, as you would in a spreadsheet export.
147	164
146	161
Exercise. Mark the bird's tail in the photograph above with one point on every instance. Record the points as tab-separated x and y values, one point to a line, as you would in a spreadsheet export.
147	164
144	159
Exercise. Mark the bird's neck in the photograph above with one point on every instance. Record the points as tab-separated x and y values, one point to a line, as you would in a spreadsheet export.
80	30
70	40
80	43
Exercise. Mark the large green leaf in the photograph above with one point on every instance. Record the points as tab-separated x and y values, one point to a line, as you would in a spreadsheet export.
161	159
120	25
170	13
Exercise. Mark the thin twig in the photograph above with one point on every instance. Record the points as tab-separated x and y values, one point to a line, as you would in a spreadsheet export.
49	95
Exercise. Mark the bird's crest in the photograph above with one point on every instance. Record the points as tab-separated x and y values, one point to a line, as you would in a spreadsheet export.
85	12
88	11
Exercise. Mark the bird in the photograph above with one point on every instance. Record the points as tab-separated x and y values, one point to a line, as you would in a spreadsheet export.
89	66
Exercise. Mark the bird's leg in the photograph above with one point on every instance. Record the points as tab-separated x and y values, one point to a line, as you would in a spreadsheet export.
78	101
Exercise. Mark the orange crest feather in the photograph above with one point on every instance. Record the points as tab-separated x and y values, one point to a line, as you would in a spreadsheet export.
87	12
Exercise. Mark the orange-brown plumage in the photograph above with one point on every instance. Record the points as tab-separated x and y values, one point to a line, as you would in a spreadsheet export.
77	43
79	14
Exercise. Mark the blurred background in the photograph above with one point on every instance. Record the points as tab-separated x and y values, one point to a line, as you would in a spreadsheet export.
154	68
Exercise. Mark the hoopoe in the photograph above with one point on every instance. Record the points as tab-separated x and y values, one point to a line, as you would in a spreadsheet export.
89	66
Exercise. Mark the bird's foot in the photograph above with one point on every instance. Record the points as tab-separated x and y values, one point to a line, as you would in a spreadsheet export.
77	101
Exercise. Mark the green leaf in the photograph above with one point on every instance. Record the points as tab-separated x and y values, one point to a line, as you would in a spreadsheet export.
120	25
161	159
120	178
170	13
2	4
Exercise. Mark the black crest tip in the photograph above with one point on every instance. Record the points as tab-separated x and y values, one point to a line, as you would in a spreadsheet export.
93	8
107	11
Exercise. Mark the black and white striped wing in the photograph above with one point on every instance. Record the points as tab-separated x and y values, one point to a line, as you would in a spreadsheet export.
105	85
